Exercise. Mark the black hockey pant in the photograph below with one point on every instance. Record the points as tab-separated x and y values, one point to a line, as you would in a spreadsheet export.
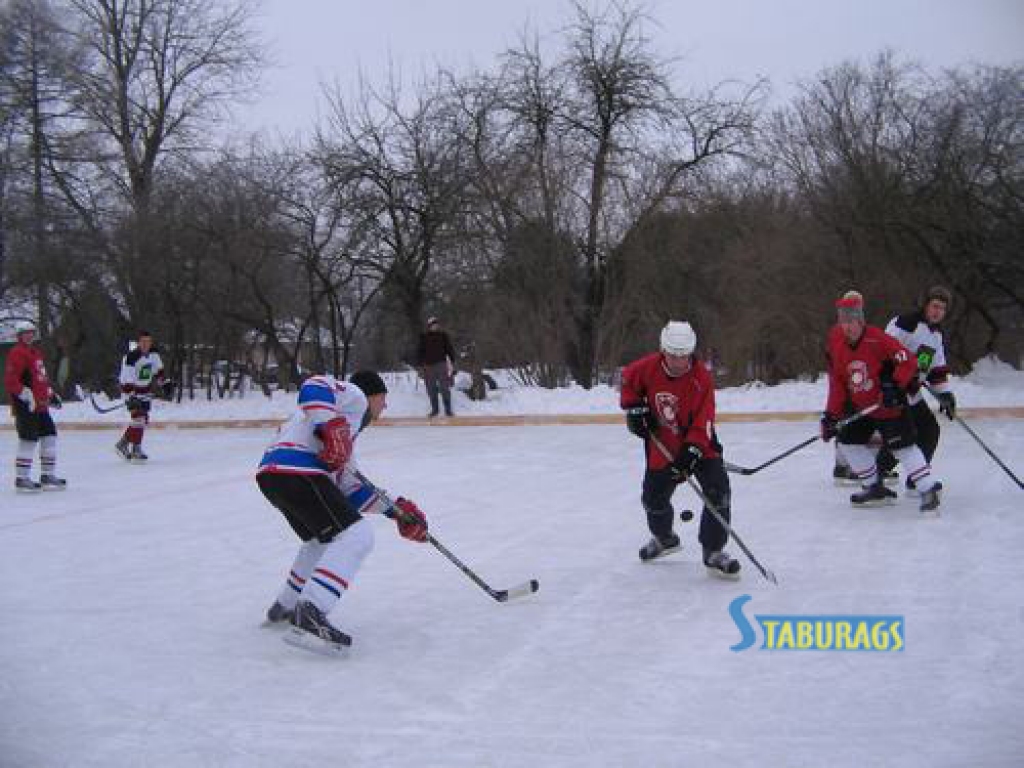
313	505
657	493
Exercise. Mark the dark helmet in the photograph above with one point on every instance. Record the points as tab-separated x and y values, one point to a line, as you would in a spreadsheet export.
369	382
940	293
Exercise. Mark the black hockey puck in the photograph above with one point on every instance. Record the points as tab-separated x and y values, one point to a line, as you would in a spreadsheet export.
686	515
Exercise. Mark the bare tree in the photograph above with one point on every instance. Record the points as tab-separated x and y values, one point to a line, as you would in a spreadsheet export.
158	72
402	166
608	143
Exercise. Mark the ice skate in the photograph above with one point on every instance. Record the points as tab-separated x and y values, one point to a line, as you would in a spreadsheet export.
312	631
278	615
121	446
843	475
721	564
656	547
875	495
53	483
137	455
27	485
930	500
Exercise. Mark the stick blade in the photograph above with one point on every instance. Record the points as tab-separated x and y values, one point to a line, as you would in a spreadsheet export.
504	595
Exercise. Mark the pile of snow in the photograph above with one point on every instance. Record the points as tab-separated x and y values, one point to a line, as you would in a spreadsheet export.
991	383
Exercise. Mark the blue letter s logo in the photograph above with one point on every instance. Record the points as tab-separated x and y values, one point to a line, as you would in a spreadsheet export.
746	630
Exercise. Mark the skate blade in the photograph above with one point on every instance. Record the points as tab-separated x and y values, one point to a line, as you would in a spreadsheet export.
27	491
662	554
930	514
843	482
720	574
51	488
299	638
873	504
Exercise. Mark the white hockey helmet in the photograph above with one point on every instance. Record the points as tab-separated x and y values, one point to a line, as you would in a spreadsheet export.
678	338
24	326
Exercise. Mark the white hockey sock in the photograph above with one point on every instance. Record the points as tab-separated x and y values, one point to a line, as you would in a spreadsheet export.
308	554
338	565
23	460
918	470
862	462
48	454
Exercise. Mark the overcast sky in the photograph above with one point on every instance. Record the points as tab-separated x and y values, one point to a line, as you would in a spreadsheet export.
314	41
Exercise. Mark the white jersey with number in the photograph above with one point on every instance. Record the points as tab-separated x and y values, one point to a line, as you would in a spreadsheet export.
926	343
139	372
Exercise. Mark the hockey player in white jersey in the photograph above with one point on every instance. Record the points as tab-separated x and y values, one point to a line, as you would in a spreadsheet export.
310	475
142	373
920	332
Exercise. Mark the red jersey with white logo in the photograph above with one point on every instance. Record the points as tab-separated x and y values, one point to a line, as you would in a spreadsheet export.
684	405
25	368
855	372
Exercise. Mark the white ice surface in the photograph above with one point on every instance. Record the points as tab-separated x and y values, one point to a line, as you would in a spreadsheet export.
131	609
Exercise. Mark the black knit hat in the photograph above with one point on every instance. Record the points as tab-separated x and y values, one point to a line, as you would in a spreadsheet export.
369	382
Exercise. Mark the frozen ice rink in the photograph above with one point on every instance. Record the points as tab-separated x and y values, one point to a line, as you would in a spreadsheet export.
132	608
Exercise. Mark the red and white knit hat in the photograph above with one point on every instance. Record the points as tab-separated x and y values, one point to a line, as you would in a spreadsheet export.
850	306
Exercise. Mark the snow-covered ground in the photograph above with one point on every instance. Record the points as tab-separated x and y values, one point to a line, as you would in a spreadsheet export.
132	606
990	383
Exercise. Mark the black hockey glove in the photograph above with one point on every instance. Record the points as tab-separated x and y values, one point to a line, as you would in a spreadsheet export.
57	403
640	421
947	404
892	395
686	462
829	426
167	390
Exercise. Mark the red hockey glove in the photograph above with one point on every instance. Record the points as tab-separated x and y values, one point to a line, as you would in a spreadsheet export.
686	462
337	443
913	386
127	389
412	523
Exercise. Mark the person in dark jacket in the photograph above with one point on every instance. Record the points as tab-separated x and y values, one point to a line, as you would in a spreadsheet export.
436	362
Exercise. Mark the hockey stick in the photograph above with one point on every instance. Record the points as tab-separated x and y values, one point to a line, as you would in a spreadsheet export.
730	467
980	442
501	595
767	574
101	409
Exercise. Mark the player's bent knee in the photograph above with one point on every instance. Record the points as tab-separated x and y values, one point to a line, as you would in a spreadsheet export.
360	537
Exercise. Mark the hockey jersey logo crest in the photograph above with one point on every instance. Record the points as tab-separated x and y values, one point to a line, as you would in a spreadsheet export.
859	376
667	405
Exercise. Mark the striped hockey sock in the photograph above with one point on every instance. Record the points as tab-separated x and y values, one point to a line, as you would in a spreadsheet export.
23	459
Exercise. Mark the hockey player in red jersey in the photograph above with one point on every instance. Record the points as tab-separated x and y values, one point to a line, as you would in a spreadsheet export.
670	395
31	398
868	368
